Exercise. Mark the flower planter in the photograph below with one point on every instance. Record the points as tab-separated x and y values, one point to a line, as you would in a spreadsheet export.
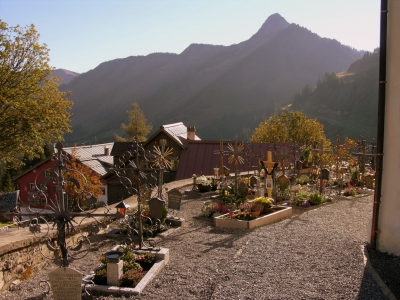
162	258
280	212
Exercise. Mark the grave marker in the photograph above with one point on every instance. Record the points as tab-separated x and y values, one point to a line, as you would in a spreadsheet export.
66	284
283	182
362	155
235	158
174	199
253	181
325	174
156	206
221	152
321	152
269	167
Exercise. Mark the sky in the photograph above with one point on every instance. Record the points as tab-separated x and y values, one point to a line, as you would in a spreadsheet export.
81	34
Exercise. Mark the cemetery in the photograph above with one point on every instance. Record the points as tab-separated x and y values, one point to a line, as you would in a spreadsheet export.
276	189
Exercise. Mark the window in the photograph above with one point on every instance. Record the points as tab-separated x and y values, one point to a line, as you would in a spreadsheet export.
47	173
32	187
103	190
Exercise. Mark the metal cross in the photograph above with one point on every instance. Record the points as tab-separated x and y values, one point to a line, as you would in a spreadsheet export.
62	210
321	151
162	160
235	158
133	171
362	154
221	154
283	155
274	149
249	154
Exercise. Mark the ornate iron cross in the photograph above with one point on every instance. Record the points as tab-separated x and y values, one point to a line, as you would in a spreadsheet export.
235	158
362	155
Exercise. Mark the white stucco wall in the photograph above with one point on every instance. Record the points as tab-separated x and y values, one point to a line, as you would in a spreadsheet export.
388	239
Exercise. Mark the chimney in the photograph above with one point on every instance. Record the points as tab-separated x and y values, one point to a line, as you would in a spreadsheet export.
191	133
106	151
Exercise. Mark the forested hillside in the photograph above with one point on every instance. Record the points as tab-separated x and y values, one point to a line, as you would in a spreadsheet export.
346	103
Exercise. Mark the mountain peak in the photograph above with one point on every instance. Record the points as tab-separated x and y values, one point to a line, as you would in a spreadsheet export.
273	22
271	26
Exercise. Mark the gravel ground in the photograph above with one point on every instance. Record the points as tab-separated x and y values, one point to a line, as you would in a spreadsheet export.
316	254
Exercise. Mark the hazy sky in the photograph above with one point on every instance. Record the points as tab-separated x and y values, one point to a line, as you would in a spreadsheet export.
81	34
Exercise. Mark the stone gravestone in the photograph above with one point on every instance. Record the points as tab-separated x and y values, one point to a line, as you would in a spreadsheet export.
66	284
243	189
156	206
174	199
283	182
325	174
253	181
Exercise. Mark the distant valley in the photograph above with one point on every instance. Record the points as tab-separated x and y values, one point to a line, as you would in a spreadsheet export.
224	91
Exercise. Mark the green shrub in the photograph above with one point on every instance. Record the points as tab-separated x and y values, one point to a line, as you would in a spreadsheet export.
131	278
316	199
303	179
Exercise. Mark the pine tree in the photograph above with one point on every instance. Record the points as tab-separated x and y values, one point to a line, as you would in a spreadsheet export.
138	126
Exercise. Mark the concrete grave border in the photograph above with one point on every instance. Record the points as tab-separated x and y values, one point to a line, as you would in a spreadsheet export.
162	258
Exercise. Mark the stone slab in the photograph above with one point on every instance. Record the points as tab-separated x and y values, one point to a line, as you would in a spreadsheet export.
66	284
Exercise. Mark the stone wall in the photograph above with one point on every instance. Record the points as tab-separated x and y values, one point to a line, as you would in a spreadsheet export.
20	260
21	263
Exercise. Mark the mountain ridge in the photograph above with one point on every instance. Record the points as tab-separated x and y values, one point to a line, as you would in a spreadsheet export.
219	89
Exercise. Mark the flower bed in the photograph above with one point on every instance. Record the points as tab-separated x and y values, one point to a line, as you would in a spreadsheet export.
134	279
228	220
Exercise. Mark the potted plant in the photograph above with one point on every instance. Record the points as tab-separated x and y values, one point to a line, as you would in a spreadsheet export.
256	209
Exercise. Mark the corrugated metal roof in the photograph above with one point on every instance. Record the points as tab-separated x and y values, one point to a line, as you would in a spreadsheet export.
176	131
200	158
93	156
120	148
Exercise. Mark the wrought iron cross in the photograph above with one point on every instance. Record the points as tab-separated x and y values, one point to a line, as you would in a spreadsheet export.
321	151
162	160
63	210
235	158
283	156
362	154
221	154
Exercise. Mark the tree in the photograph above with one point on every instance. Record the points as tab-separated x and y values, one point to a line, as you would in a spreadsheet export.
138	126
33	112
81	188
289	127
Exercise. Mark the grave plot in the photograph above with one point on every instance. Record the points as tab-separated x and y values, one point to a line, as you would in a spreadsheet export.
126	270
245	220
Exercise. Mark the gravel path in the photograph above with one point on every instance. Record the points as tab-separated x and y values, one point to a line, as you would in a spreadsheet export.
316	254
